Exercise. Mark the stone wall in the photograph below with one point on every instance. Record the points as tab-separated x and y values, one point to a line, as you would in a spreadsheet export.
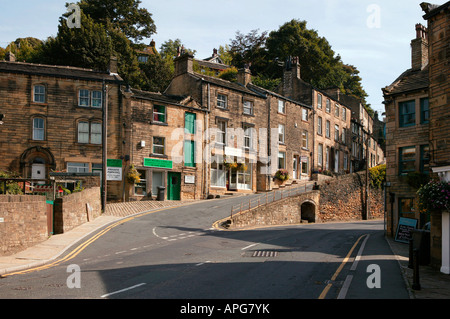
340	199
284	212
76	209
23	222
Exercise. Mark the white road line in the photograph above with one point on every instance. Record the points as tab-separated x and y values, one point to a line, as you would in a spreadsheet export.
123	290
250	246
345	287
358	256
349	278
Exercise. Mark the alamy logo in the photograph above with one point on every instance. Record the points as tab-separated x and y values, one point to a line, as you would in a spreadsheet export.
74	20
374	19
374	280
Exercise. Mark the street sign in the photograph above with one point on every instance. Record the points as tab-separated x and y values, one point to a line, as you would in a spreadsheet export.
114	170
404	229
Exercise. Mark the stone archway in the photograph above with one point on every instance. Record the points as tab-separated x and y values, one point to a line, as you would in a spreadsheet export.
308	211
36	157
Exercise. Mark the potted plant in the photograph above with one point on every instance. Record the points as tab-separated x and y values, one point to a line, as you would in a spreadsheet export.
282	175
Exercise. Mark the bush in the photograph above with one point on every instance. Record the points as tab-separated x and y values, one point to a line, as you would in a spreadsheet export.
11	187
377	176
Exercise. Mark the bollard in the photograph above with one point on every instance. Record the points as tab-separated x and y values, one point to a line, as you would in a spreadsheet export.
416	281
411	252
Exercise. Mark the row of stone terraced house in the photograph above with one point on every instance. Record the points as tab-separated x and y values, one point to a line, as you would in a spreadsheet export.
202	137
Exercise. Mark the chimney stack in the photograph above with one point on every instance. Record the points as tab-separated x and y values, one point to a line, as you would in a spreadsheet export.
184	64
244	76
113	66
10	57
419	48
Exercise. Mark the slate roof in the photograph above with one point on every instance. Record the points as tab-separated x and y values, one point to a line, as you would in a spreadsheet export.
410	80
160	97
57	71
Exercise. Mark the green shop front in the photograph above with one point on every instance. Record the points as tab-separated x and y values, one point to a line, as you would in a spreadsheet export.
157	175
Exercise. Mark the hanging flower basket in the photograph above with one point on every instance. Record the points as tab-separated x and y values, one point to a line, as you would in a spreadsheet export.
434	197
234	166
133	176
282	175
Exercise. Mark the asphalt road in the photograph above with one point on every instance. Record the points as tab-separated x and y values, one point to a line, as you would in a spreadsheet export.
176	254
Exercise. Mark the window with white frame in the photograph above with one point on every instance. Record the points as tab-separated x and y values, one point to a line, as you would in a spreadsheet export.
305	139
39	93
97	99
88	98
281	106
304	114
89	132
38	129
159	114
336	110
327	129
344	135
248	107
84	98
281	131
344	114
281	160
336	133
221	137
248	134
319	101
77	167
319	126
328	106
320	155
218	175
158	145
222	101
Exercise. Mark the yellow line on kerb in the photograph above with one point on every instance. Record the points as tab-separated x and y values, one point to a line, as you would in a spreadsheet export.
338	271
81	247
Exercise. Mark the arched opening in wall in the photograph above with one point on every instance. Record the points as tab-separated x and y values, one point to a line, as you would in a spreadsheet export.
308	212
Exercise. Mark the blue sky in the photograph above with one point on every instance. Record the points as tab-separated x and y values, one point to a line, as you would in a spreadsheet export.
373	35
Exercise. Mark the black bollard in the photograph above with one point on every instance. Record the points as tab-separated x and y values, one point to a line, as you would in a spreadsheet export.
416	281
411	252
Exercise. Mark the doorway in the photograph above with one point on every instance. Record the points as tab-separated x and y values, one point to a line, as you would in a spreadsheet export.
174	186
38	172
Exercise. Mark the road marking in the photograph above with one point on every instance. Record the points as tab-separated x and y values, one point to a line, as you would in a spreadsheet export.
123	290
83	246
345	287
338	271
250	246
358	256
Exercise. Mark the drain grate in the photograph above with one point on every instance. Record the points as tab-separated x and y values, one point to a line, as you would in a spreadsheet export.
265	253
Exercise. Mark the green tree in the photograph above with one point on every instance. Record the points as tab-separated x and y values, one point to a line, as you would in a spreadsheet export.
135	22
169	51
91	46
157	73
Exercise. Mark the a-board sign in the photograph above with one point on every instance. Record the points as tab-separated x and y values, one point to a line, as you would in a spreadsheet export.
404	229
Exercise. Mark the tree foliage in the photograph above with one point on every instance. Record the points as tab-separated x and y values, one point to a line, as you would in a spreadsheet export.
320	65
135	22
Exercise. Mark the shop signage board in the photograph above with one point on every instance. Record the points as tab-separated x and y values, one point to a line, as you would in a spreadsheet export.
158	163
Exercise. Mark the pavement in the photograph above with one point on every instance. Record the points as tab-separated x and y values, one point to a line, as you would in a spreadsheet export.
433	284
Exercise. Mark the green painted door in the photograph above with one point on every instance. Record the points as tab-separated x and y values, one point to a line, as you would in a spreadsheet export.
174	186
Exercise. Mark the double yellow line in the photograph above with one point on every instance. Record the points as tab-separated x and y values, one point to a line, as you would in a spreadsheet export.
83	246
338	271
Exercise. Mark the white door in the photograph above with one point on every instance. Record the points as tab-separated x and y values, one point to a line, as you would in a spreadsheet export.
38	171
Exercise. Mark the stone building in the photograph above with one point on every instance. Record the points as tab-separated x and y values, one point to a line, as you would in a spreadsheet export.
329	119
53	119
438	18
407	133
165	139
252	132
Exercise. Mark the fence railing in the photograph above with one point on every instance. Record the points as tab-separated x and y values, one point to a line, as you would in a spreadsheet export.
269	197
